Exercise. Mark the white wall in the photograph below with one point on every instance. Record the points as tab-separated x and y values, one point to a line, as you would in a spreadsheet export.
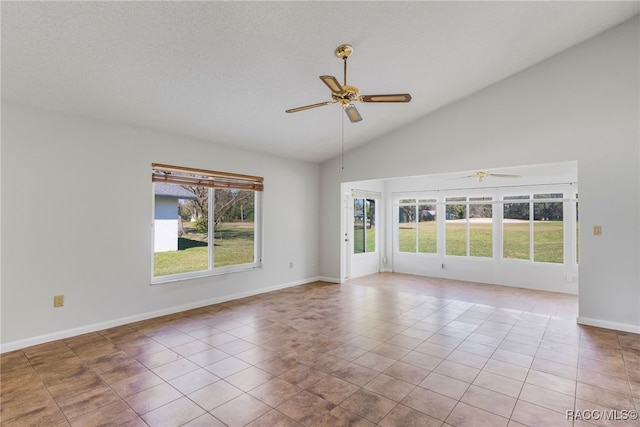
583	105
61	177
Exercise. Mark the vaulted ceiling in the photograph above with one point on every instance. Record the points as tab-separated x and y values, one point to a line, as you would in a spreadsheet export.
226	71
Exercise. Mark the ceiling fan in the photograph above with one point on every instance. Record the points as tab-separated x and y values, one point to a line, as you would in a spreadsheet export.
481	175
346	95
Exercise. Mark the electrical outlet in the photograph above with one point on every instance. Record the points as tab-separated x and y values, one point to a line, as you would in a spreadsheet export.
597	230
58	300
291	264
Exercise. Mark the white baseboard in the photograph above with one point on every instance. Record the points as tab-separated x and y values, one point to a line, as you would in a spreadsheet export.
41	339
329	279
625	327
67	333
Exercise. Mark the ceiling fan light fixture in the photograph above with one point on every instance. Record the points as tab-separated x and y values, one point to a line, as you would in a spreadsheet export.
352	112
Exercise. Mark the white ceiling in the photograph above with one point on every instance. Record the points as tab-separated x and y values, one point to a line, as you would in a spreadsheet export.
226	71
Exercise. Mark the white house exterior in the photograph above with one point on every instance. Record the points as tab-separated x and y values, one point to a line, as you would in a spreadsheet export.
165	224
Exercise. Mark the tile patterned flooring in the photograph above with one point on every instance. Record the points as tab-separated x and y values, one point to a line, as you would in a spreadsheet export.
385	350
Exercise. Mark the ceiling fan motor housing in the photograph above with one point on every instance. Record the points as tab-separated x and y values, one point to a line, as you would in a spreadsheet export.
350	94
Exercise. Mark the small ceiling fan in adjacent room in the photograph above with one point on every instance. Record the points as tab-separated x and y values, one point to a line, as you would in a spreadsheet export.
346	95
481	175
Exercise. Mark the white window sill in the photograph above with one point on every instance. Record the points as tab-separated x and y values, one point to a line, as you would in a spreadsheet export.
199	274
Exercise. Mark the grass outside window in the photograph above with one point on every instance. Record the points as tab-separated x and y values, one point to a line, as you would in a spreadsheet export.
365	240
233	245
548	247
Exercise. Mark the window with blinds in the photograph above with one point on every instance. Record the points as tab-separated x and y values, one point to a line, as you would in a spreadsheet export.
205	222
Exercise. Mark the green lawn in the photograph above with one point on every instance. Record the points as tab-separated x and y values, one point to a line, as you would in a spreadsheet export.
547	242
359	239
548	245
426	237
233	245
516	240
407	234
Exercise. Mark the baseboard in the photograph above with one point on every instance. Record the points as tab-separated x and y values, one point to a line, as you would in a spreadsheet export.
625	327
329	279
67	333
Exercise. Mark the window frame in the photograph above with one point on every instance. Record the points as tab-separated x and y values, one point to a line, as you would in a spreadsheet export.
365	200
497	196
415	202
567	199
212	180
468	199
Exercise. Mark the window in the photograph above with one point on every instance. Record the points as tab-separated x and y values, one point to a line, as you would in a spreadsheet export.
533	227
456	226
480	227
515	228
427	226
417	225
364	225
548	228
205	222
407	224
469	226
533	224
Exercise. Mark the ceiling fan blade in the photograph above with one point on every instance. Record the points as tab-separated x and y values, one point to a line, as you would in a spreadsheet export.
352	113
399	97
504	175
333	84
307	107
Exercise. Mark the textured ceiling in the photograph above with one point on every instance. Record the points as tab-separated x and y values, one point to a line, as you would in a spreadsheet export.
226	71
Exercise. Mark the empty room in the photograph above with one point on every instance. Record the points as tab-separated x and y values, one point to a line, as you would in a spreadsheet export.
320	213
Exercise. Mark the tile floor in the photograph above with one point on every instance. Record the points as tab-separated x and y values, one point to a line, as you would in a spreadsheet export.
386	350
